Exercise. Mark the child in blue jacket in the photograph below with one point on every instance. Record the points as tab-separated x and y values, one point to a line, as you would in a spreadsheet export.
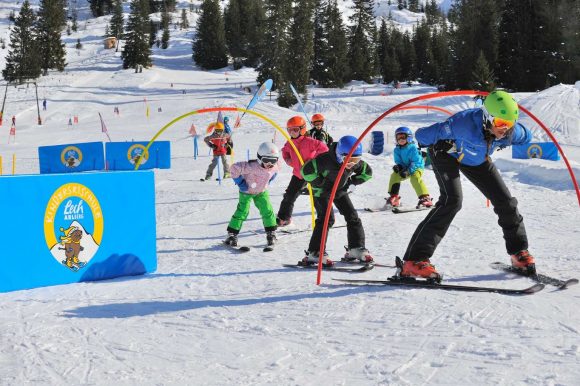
409	164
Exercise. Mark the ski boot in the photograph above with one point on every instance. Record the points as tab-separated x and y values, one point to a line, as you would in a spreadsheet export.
358	255
523	261
283	223
393	201
232	239
425	201
271	238
205	179
422	269
311	258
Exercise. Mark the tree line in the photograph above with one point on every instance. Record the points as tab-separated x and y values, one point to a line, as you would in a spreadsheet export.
481	44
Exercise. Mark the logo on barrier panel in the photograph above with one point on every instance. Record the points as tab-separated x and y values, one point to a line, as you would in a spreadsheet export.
535	151
73	225
137	151
71	156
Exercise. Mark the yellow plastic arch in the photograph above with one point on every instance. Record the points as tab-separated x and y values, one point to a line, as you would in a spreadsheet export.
263	117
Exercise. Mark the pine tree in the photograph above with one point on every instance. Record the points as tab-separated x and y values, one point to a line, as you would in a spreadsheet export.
137	51
482	77
117	20
361	45
184	21
235	37
51	18
337	57
23	60
275	54
165	20
209	45
475	28
100	7
74	21
255	31
320	47
301	45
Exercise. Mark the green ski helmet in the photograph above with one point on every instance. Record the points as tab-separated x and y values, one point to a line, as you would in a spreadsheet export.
501	104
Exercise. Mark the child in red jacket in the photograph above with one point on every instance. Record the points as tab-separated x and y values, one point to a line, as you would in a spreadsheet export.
219	141
308	148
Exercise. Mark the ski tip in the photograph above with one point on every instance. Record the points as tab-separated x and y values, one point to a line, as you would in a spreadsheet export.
244	249
568	283
533	289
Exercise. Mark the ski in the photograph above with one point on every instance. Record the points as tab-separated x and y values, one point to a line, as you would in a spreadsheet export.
292	231
364	268
398	209
238	248
538	277
356	262
383	209
450	287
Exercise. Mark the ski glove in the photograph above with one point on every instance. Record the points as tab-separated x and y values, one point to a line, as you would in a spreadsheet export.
398	168
404	173
242	184
444	146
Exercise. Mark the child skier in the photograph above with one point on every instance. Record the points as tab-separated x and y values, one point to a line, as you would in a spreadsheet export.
308	149
228	131
409	163
253	178
317	131
322	172
218	141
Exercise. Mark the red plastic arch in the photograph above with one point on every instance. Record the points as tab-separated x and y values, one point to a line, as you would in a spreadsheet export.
401	106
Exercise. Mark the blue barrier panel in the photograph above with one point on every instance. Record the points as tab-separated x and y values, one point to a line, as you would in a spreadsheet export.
123	155
71	158
377	143
67	228
543	150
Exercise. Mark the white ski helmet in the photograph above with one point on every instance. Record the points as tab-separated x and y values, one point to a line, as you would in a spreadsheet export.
267	154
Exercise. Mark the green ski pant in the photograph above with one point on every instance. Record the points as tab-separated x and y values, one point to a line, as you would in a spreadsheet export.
416	182
262	202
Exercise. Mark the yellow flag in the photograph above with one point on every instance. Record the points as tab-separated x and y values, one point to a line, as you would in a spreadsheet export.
147	112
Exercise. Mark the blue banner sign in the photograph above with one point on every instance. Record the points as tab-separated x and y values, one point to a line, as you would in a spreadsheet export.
124	155
71	158
67	228
543	150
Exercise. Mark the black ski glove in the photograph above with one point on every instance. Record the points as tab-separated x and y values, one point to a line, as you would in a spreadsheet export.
404	173
444	145
398	168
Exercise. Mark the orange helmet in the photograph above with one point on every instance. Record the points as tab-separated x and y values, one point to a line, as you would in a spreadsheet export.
297	121
317	117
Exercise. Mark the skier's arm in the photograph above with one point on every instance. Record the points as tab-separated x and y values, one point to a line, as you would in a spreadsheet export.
416	159
320	148
362	173
310	172
397	155
520	135
430	135
286	154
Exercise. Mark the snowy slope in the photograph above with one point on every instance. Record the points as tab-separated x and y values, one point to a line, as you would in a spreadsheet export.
210	317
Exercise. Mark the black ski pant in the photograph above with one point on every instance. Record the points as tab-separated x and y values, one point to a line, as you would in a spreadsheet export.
354	228
290	195
487	179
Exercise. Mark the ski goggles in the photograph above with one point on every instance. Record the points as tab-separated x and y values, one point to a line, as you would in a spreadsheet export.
351	162
502	123
317	123
295	129
269	162
401	136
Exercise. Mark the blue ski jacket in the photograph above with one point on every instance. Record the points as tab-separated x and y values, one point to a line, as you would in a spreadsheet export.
409	157
465	129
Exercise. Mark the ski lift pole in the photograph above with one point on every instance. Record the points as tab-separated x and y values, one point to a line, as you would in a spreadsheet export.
3	103
37	105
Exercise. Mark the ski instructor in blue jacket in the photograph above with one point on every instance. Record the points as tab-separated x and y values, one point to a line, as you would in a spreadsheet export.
465	142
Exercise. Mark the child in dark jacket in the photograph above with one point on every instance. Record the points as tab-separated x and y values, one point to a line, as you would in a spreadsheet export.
322	172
